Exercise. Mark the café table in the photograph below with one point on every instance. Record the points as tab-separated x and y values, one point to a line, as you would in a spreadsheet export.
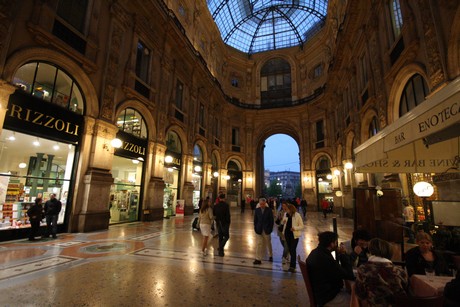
423	285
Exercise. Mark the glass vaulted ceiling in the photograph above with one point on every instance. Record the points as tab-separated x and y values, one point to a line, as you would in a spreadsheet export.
261	25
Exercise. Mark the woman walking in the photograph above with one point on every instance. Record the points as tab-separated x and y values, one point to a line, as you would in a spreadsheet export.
293	224
206	219
280	227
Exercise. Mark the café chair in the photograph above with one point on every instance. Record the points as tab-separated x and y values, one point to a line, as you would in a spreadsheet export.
306	279
429	301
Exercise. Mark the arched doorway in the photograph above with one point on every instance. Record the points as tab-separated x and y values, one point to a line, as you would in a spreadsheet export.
234	182
281	167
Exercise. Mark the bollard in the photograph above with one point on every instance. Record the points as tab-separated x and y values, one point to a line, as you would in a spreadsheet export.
334	224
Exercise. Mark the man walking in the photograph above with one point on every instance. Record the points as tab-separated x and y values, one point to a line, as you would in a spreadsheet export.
263	226
222	215
52	209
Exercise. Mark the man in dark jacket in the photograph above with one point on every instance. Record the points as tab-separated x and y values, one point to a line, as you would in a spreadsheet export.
52	209
263	226
222	215
326	274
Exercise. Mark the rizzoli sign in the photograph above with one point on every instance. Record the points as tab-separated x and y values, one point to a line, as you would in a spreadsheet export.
132	147
41	119
37	117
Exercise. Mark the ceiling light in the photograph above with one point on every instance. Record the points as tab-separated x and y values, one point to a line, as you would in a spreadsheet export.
22	165
12	137
36	142
135	161
56	146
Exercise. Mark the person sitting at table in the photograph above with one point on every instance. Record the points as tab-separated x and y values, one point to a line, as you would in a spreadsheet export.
326	274
452	291
424	257
379	280
359	245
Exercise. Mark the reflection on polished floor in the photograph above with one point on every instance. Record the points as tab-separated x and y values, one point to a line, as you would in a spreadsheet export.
155	264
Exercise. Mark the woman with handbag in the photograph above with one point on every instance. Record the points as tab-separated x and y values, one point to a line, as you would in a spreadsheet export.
280	226
293	224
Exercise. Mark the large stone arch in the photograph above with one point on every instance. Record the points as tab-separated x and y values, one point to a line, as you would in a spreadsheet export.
145	112
453	48
365	122
349	145
338	161
397	88
23	56
283	126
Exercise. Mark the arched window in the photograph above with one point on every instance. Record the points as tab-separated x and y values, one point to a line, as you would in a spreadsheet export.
275	78
132	122
413	94
373	127
197	154
323	163
50	83
173	142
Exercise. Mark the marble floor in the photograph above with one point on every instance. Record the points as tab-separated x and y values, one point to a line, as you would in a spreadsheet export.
155	264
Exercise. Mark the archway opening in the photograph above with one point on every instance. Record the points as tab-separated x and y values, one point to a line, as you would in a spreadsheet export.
281	164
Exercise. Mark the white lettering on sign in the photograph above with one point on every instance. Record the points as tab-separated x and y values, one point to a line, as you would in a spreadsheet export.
436	119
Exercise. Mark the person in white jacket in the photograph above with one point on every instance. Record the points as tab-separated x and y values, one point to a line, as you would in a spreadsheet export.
293	225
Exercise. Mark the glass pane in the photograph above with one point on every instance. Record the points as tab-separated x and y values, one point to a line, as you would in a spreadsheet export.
76	102
62	90
254	26
24	77
197	154
44	82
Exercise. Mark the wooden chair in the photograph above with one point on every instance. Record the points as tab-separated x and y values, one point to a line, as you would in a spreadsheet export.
430	301
306	279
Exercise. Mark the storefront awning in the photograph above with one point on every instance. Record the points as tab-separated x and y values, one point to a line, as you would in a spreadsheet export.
426	139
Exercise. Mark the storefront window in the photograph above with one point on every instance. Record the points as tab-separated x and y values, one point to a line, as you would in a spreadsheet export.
124	193
47	82
131	121
31	167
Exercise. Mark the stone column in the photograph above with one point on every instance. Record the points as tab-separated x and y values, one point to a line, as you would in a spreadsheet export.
92	208
153	203
6	90
188	187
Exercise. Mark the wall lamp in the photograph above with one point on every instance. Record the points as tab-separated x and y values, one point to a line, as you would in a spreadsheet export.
215	174
116	143
168	159
348	165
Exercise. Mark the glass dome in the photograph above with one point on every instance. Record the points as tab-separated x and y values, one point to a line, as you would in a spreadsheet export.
260	25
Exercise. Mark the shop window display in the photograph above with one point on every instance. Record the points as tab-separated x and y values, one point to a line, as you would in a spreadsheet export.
124	193
31	167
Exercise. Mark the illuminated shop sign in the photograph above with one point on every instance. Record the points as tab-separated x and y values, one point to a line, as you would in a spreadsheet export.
132	147
37	117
